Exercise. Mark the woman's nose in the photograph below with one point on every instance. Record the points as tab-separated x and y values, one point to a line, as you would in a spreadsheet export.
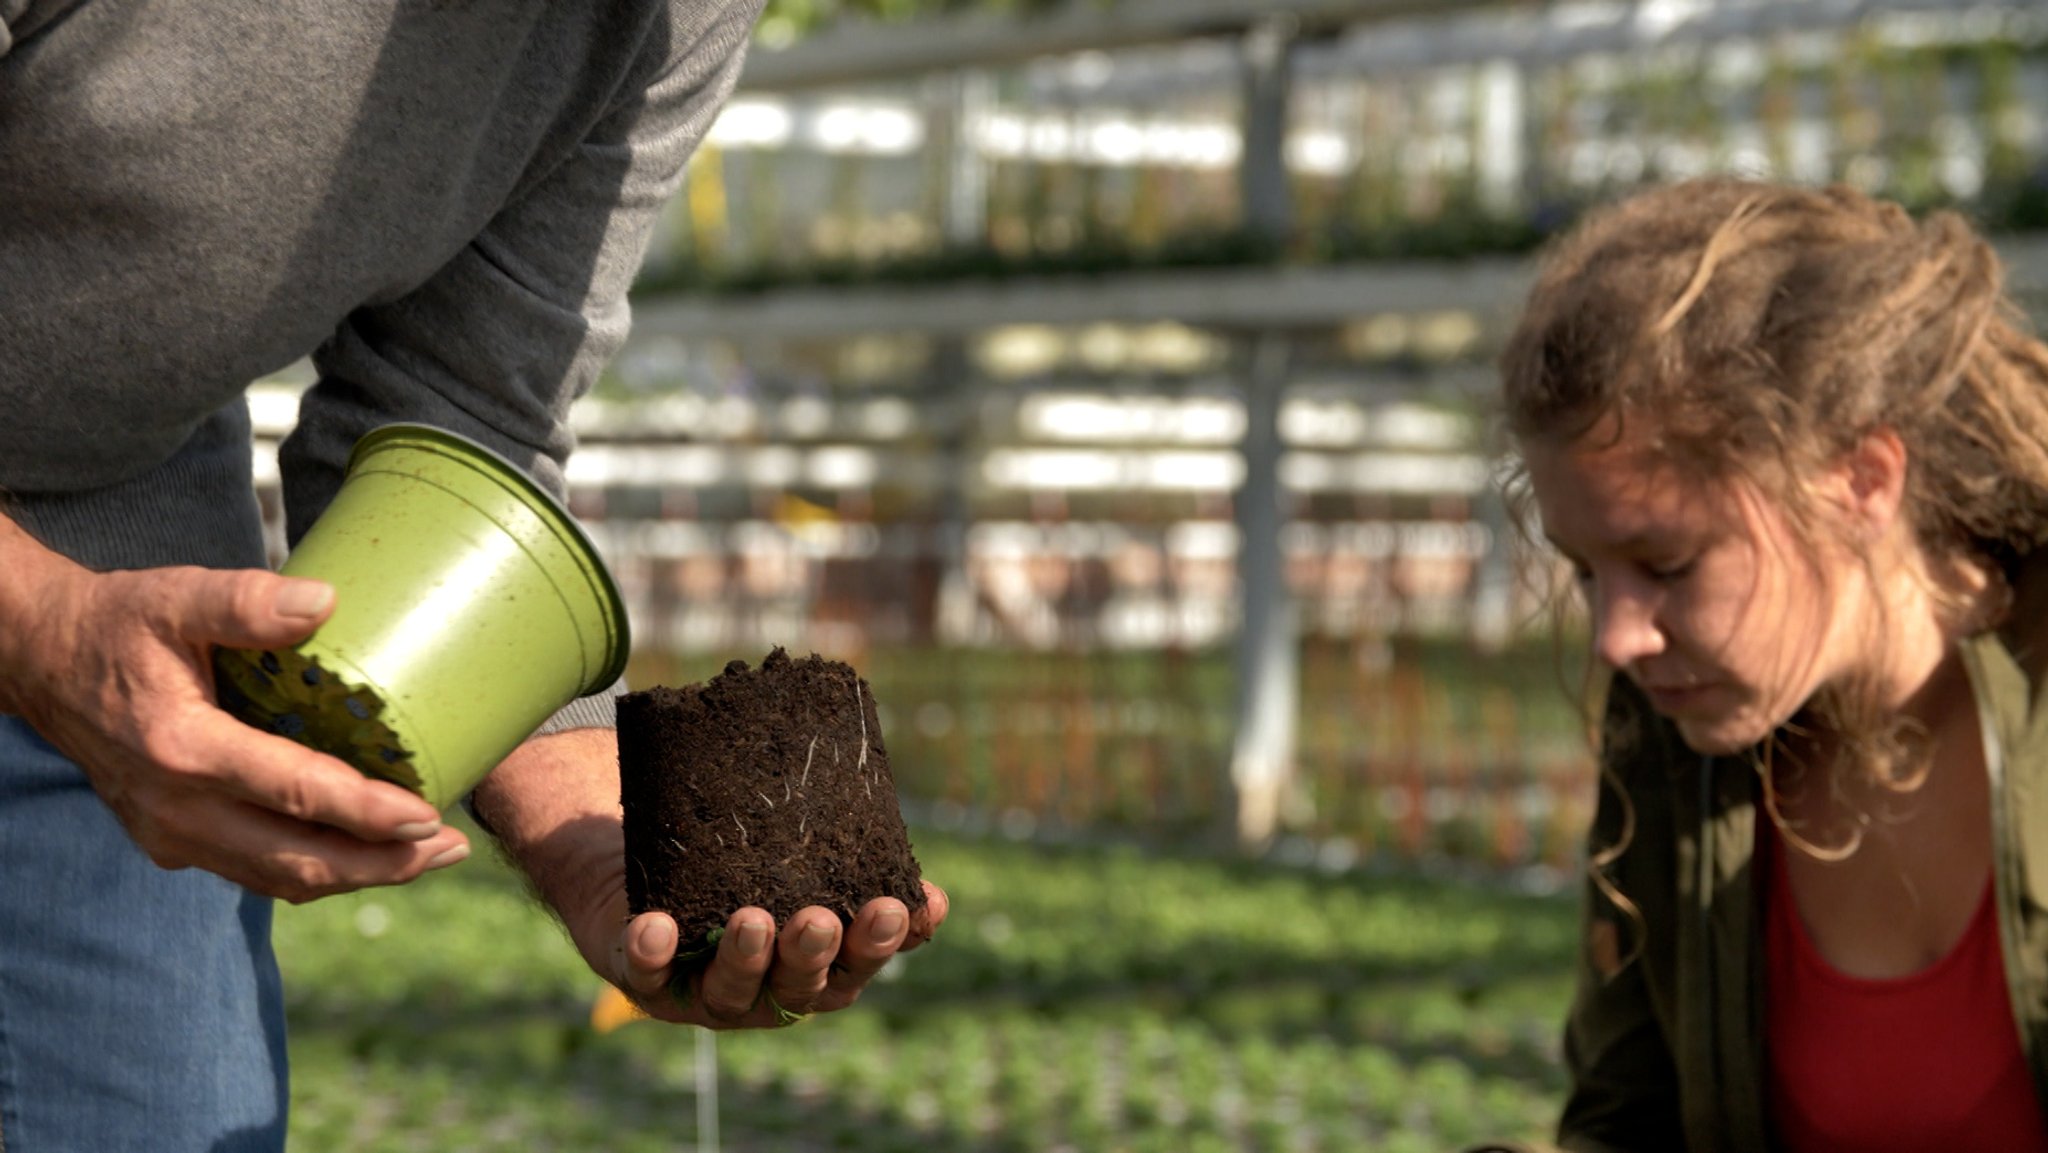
1625	629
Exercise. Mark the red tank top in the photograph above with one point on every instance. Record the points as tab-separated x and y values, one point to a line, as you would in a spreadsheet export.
1927	1061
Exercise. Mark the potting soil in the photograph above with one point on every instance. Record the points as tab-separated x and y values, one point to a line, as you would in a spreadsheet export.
767	787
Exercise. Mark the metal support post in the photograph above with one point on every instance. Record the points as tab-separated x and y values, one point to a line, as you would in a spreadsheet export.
1268	663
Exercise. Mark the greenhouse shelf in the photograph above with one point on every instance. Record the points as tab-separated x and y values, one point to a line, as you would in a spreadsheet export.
1247	299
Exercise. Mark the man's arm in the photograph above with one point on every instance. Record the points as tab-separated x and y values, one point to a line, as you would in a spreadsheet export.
497	344
502	338
520	321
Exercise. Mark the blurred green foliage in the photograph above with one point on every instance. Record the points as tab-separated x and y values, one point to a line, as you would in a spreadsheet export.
1092	998
789	19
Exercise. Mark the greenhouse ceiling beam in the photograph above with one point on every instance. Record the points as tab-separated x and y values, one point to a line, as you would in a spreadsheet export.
1523	35
883	53
1240	299
1531	37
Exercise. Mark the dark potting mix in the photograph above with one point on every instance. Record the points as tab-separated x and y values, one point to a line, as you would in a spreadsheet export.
767	787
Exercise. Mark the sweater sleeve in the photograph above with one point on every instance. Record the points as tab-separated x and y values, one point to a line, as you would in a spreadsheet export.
20	19
500	341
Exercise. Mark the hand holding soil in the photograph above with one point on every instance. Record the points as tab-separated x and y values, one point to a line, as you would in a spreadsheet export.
554	806
756	978
113	669
766	795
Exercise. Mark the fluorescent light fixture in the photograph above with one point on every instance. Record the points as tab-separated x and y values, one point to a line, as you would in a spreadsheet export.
842	466
752	123
1100	418
679	466
888	418
1389	472
1320	153
806	417
773	466
1077	470
1322	423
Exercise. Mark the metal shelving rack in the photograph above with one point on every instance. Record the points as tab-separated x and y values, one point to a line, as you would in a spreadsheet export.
1265	48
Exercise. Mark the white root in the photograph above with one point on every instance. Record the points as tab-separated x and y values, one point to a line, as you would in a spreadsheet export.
862	713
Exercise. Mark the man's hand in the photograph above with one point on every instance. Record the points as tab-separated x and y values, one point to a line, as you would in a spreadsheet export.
554	804
812	967
114	669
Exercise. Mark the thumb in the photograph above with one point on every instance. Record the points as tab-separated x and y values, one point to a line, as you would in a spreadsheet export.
250	608
650	941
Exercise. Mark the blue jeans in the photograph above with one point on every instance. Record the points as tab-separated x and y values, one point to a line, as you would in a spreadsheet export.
139	1008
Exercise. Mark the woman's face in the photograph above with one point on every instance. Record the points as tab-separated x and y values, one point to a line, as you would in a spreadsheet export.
1699	593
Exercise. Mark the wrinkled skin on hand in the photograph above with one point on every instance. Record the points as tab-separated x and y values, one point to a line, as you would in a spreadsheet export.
114	670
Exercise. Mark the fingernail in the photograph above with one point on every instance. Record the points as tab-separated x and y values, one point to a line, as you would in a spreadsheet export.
447	857
417	830
885	928
657	938
814	940
302	598
753	939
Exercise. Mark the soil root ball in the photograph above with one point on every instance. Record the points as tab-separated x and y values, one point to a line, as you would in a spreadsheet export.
766	787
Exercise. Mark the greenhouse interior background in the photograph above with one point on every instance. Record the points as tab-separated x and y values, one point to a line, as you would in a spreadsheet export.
1109	382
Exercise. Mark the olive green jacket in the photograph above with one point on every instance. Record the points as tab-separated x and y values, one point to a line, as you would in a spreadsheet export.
1664	1041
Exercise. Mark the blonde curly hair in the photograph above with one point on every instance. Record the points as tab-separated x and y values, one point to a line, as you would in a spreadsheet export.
1755	332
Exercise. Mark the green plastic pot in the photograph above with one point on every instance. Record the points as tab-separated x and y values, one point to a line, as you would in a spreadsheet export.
469	607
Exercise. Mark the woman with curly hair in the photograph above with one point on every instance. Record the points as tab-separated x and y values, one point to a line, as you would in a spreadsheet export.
1794	446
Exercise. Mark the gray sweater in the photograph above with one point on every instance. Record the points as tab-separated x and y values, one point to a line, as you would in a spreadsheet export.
442	201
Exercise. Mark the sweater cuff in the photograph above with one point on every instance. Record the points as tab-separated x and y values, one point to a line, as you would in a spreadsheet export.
596	711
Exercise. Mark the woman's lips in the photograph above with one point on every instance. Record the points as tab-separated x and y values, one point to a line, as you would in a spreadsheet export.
1676	698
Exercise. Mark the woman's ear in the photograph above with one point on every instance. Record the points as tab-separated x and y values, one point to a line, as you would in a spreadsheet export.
1870	480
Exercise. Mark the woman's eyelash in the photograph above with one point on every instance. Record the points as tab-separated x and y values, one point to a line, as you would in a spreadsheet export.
1672	572
1662	574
